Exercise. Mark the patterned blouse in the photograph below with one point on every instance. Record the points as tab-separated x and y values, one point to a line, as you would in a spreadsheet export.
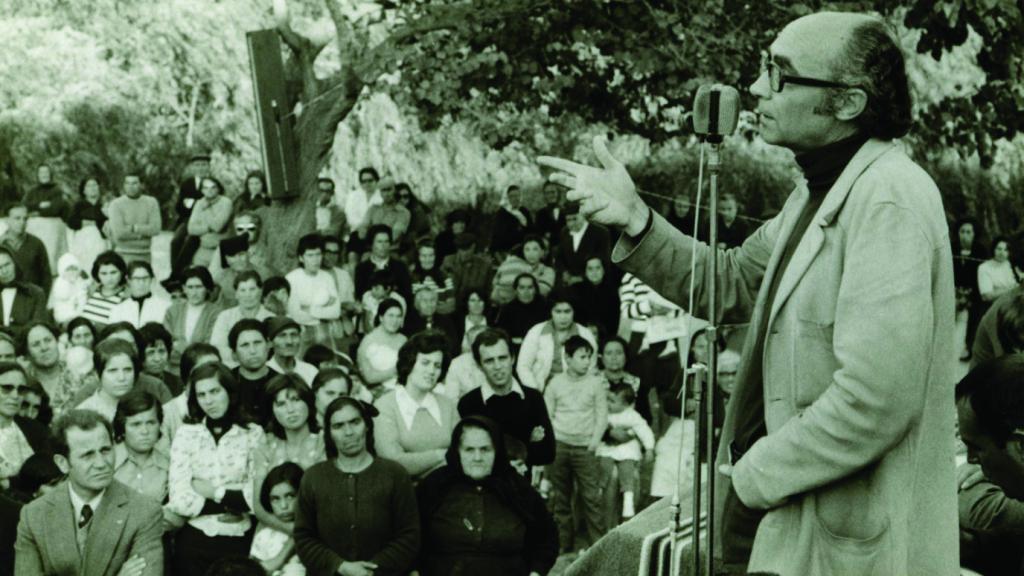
274	452
229	464
14	451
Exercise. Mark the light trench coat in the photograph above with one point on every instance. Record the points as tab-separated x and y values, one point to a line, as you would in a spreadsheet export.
856	471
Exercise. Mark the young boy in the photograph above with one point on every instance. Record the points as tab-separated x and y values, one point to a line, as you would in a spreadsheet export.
578	407
626	456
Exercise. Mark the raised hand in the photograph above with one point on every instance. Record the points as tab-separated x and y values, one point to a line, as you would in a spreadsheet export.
606	195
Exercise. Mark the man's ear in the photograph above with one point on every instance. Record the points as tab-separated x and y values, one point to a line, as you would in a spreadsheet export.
1015	447
850	104
62	463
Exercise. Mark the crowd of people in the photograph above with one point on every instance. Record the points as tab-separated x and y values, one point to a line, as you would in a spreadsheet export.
485	397
482	396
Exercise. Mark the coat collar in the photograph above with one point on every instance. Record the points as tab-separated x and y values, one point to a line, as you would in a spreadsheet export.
814	237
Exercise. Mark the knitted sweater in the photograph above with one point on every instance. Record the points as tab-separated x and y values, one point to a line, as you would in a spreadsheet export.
133	222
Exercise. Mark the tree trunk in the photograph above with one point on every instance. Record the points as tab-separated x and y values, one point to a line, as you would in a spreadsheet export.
287	221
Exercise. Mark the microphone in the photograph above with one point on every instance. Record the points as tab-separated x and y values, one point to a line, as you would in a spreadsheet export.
716	110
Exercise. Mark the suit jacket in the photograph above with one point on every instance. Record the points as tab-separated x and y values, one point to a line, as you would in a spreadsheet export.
29	306
856	471
595	242
126	524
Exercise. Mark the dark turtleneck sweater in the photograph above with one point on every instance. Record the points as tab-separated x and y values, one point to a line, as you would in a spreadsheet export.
821	167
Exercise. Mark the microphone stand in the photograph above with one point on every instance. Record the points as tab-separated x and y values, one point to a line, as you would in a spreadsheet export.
705	379
714	166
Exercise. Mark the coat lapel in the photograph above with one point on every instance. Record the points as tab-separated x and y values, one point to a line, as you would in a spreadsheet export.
106	530
814	237
61	541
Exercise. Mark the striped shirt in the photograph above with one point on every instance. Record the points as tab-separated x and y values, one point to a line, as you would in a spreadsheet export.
98	307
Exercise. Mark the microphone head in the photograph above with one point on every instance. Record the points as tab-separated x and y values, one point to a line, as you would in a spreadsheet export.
716	111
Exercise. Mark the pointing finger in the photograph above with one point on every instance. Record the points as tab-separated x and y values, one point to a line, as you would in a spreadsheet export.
575	195
603	155
563	179
561	164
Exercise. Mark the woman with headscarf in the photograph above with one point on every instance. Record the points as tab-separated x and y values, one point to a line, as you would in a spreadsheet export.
527	308
356	512
479	516
511	222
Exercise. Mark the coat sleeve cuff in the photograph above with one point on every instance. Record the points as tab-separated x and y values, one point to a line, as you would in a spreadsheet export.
744	482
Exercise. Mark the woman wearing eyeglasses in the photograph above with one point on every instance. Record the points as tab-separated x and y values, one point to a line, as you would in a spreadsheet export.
20	437
142	306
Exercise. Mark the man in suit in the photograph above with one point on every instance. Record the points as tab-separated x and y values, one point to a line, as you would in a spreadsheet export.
91	525
577	243
835	454
21	303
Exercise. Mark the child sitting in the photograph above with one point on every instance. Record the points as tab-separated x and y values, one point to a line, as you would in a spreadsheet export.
625	456
275	550
70	290
576	401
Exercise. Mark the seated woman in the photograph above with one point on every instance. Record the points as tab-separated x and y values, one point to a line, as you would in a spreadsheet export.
191	320
529	260
378	351
274	548
176	410
356	513
479	516
291	437
142	306
114	361
526	309
427	272
19	437
211	474
141	461
414	426
81	332
40	343
109	272
313	300
472	315
87	221
330	383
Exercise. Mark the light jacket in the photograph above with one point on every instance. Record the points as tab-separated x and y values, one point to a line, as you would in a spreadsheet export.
856	471
537	354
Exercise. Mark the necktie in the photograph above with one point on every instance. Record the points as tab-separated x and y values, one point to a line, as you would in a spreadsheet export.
83	527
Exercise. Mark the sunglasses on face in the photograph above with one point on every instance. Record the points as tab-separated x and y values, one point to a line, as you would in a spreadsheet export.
777	78
14	389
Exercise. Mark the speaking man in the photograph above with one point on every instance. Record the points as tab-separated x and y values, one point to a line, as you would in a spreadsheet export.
92	524
836	455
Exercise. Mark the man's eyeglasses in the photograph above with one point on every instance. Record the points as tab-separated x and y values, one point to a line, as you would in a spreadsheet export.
18	389
777	79
332	252
370	181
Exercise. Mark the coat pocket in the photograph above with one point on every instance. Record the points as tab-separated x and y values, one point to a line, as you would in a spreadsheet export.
851	529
